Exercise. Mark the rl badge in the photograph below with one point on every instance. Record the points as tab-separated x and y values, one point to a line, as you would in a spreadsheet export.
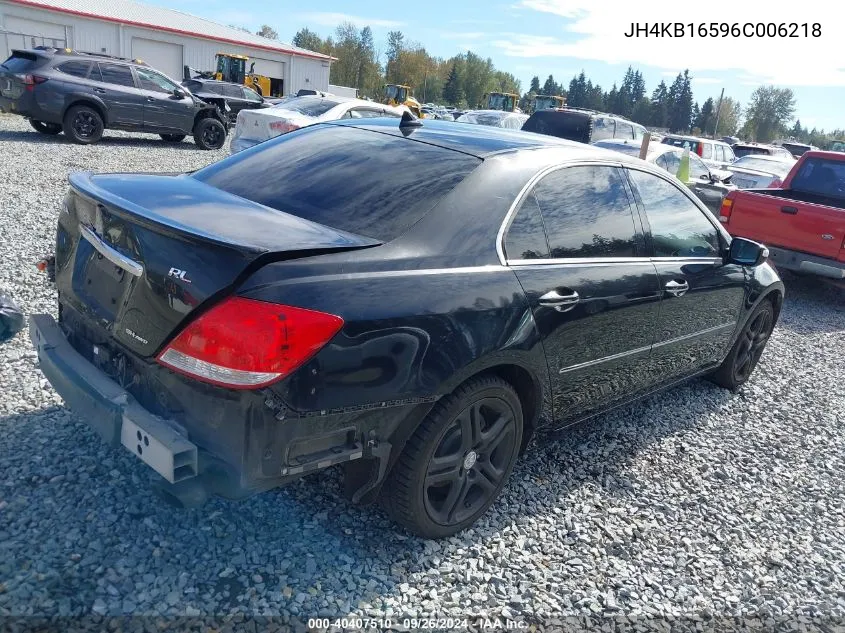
179	274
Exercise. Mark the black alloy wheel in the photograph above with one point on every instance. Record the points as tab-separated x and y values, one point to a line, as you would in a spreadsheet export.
458	460
740	362
83	124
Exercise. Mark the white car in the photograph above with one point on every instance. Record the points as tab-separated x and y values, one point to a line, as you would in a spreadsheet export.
494	118
257	126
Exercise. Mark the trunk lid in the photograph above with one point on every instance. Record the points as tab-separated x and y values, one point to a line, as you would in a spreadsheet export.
14	70
777	220
266	123
137	254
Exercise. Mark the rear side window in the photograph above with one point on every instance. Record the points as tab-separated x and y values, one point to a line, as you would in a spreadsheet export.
233	92
526	238
603	128
706	151
117	74
587	213
821	176
624	130
573	126
371	184
729	154
76	69
21	62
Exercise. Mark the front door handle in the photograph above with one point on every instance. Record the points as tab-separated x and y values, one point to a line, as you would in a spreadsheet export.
789	210
102	91
560	302
677	288
151	99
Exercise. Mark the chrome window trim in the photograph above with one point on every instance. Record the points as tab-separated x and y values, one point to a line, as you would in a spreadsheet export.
611	261
520	197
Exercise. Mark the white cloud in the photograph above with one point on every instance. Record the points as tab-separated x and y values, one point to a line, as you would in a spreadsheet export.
466	35
594	30
333	19
706	80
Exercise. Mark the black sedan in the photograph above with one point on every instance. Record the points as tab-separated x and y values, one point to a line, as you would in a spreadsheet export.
232	98
412	301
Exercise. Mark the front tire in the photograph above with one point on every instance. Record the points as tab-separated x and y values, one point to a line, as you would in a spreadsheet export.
173	138
737	368
209	134
83	125
50	129
458	460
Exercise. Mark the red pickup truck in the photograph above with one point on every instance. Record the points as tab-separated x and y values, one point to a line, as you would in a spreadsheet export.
802	223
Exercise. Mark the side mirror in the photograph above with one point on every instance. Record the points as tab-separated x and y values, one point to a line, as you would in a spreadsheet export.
746	252
178	93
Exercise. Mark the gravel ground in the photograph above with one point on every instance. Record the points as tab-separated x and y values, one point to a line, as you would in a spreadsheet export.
697	503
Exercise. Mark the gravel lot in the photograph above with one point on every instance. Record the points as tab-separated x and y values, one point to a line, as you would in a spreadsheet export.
695	503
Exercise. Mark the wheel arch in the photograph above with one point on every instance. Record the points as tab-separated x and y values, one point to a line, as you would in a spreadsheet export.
91	102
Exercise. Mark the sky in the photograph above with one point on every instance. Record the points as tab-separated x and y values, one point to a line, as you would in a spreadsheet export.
563	37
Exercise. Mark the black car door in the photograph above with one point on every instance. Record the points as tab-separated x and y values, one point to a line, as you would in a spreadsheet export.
576	247
116	88
702	295
167	107
250	99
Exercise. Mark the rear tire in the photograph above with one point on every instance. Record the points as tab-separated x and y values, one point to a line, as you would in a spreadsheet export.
458	460
50	129
209	134
173	138
737	368
83	125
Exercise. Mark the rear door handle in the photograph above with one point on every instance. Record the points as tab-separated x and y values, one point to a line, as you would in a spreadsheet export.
789	210
677	288
560	302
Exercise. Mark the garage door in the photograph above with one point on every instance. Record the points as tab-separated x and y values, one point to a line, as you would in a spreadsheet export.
269	68
26	33
163	56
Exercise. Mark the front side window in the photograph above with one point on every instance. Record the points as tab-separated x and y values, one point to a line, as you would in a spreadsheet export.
587	213
678	227
526	238
697	168
117	75
671	162
251	95
151	80
232	92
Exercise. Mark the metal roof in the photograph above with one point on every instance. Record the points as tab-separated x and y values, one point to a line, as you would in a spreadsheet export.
170	20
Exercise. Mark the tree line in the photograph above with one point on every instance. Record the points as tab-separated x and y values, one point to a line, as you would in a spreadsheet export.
462	81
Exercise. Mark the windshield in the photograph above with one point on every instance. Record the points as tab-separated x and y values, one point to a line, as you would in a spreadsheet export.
500	102
543	103
372	184
748	150
769	166
796	149
309	106
837	146
681	142
400	95
573	126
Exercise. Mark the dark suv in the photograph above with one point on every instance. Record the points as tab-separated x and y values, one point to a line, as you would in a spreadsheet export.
583	126
82	94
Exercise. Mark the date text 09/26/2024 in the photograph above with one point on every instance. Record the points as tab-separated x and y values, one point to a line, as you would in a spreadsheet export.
725	29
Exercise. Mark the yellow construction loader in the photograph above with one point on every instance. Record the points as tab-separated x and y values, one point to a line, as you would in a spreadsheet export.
546	102
232	68
505	101
399	95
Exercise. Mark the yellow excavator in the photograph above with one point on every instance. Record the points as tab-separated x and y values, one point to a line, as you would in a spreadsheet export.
506	101
546	102
232	68
399	95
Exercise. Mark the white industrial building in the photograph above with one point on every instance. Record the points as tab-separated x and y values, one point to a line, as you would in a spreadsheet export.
165	39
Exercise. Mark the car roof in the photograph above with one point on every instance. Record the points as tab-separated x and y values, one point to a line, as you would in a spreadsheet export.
700	139
482	141
774	159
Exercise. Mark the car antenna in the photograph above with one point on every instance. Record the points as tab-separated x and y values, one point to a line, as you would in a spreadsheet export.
409	120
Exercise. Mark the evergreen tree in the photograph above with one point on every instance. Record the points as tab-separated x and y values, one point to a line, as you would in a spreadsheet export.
452	89
535	85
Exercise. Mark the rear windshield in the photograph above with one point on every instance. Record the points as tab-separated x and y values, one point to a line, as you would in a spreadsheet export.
821	176
681	142
21	62
746	150
310	106
573	126
368	183
796	149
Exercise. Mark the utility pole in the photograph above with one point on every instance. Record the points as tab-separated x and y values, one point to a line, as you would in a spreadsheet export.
718	112
425	86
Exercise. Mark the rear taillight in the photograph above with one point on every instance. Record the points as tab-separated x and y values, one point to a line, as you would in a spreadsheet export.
282	127
775	184
725	210
30	81
699	149
244	344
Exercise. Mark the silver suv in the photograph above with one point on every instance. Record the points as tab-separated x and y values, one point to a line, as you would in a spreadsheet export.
715	154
